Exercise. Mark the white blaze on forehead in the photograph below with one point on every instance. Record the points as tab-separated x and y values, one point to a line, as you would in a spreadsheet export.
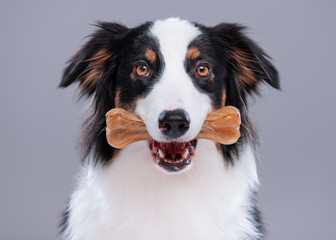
174	36
175	88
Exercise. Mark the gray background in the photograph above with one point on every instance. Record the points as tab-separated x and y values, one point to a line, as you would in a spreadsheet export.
40	123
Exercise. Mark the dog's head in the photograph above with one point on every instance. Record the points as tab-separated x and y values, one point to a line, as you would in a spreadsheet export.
172	73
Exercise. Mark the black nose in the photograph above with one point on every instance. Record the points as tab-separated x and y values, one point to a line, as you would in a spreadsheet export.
174	123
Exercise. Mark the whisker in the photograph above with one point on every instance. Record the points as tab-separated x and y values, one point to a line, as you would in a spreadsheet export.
103	130
248	131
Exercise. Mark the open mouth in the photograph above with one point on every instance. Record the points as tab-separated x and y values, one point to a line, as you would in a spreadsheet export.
173	156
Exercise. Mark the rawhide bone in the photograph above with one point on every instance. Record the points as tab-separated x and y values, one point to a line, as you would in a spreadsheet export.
123	127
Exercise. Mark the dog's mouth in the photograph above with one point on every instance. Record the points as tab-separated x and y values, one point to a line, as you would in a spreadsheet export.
173	156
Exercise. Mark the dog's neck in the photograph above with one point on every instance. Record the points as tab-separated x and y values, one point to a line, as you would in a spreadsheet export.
130	199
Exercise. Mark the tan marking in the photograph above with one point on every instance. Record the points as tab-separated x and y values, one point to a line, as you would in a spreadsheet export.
193	53
150	55
131	106
95	68
240	56
133	77
223	97
212	77
92	76
101	56
117	99
248	76
118	104
244	66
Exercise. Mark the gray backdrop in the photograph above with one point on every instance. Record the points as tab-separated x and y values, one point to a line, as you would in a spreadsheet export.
40	123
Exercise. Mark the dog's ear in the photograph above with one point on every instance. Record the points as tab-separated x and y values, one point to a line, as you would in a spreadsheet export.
246	58
93	69
87	66
247	66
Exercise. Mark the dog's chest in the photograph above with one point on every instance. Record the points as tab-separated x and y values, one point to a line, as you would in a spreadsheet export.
130	199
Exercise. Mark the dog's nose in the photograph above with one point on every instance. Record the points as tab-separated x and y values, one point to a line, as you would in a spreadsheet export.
174	123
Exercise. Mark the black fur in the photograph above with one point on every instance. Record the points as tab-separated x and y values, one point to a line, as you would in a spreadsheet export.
64	221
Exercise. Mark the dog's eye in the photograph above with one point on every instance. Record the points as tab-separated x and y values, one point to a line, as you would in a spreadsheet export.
203	70
142	70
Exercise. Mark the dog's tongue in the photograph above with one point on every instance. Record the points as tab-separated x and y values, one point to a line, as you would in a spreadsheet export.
172	151
174	147
173	156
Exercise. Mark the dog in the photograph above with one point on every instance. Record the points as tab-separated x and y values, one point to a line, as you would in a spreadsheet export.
172	73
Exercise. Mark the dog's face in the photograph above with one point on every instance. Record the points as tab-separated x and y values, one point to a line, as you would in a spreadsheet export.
172	73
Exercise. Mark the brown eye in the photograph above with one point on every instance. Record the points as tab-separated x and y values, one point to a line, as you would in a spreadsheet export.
142	70
202	70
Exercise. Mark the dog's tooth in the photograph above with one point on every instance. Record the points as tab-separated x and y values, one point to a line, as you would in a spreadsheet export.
162	155
185	154
180	161
166	160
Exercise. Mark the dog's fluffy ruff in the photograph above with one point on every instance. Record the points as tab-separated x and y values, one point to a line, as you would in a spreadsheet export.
210	201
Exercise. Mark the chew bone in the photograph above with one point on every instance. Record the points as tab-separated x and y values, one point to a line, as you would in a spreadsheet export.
222	126
123	128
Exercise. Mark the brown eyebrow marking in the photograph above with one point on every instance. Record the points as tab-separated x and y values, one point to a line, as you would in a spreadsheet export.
150	55
193	53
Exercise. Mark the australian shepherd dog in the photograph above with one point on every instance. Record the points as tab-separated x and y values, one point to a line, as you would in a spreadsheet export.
172	73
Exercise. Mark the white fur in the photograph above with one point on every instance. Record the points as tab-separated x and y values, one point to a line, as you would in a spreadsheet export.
130	199
175	88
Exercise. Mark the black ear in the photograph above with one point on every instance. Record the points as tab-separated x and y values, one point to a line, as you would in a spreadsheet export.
246	57
93	68
247	66
87	65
